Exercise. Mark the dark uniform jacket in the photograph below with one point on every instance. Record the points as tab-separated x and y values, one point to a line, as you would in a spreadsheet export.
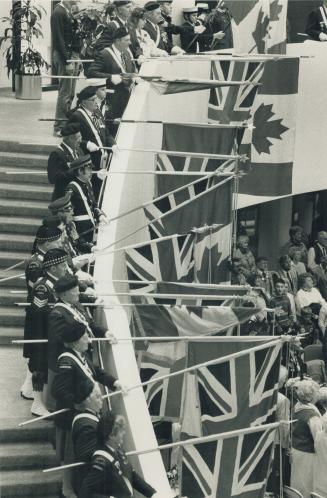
61	315
74	372
105	65
112	475
93	129
84	437
106	37
86	212
189	40
168	31
316	23
59	173
157	34
41	297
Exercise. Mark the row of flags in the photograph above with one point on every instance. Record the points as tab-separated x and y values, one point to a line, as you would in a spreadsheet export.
250	132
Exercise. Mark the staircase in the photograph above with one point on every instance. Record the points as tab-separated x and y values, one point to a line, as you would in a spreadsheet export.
24	198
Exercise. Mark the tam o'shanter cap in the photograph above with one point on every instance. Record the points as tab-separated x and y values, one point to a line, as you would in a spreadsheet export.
149	6
47	234
61	203
70	129
87	93
54	257
80	162
73	332
120	33
66	283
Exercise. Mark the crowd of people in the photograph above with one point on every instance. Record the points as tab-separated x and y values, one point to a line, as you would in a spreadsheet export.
63	369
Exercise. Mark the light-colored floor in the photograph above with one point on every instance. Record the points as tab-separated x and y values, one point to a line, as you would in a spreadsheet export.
19	118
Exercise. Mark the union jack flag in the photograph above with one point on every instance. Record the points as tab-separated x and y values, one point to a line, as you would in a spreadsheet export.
233	105
234	395
203	202
168	260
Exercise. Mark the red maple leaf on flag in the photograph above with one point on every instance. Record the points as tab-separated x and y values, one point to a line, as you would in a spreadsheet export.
265	128
275	10
260	32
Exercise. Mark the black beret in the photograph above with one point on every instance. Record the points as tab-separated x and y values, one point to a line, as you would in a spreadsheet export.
47	234
120	33
80	162
66	283
73	332
61	203
87	93
149	6
83	390
54	257
70	128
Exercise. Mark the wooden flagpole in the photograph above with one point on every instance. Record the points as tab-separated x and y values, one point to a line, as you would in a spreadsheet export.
195	440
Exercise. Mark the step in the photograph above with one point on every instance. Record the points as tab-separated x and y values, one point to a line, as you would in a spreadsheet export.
17	224
30	483
30	148
35	209
16	282
16	242
28	455
7	298
19	191
43	431
12	316
39	176
8	334
9	258
23	159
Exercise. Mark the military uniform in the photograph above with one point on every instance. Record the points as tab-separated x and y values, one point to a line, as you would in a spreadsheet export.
112	475
84	438
86	212
59	173
317	23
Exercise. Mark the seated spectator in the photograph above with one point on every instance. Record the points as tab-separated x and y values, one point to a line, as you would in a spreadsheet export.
245	255
322	401
296	261
280	302
318	250
287	273
305	429
297	241
320	474
307	294
140	39
237	274
264	277
307	325
320	274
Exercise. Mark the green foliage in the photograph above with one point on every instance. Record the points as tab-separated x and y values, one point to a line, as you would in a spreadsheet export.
26	19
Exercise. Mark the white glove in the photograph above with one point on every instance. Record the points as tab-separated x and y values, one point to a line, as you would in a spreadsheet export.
120	387
115	149
90	292
112	338
102	173
92	147
322	37
163	53
82	260
103	220
141	59
199	29
94	249
116	79
219	35
176	50
84	277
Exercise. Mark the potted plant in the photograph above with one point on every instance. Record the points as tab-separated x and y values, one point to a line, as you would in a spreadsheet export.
22	59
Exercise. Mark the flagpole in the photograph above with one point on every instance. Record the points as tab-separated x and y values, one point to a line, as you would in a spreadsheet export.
186	442
195	338
215	361
12	278
200	155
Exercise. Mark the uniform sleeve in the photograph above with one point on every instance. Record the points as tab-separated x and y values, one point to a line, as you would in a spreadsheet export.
58	170
94	481
97	68
32	273
141	485
312	28
104	378
85	441
57	324
63	384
